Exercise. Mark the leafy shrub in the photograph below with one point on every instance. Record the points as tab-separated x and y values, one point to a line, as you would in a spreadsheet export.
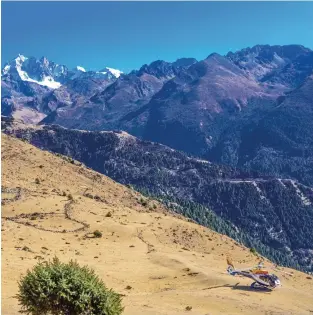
60	289
253	251
37	181
143	202
97	234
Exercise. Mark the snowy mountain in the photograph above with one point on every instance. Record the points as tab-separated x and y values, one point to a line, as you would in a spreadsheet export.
49	74
106	73
110	71
32	88
79	68
41	71
162	100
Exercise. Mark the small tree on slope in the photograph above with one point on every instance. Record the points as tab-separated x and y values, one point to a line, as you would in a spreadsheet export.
66	289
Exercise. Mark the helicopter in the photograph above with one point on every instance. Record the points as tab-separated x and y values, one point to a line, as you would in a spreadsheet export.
262	278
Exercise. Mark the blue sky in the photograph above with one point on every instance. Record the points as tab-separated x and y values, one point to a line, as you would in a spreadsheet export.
125	35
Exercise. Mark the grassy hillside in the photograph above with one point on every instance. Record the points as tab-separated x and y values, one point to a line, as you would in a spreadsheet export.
160	262
274	215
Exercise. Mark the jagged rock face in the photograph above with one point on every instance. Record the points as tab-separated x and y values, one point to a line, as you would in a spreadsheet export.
48	86
274	211
42	72
48	73
165	70
105	109
262	61
39	69
76	97
118	105
293	74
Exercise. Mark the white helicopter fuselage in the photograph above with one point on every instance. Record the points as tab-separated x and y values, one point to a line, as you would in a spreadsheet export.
262	279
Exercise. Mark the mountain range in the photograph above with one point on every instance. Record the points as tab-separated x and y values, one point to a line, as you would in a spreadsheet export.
228	136
32	88
235	109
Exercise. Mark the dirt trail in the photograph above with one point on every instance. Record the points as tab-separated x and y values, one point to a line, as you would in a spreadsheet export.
161	263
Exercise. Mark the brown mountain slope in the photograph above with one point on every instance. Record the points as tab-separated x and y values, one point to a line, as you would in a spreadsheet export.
169	263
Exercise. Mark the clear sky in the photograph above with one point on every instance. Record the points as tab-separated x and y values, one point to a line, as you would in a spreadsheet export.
125	35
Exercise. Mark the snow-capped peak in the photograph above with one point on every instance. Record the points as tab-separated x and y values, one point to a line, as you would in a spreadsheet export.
46	73
115	72
6	69
20	59
79	68
19	71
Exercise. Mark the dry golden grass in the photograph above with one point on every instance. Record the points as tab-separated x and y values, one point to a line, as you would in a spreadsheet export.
160	262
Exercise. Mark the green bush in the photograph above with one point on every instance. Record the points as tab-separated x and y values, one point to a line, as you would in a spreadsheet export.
66	289
97	234
143	202
253	251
